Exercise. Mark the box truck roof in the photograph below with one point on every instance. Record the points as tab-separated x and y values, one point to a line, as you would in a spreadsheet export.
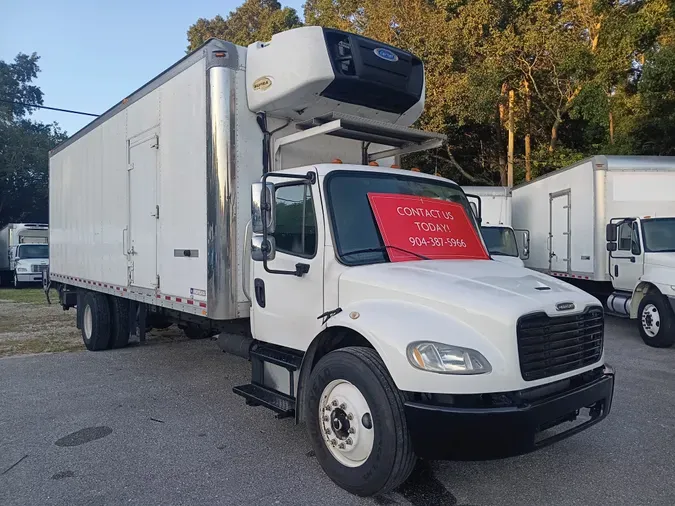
617	163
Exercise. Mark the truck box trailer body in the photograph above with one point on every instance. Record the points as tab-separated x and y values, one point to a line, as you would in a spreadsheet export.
23	252
237	188
568	211
504	243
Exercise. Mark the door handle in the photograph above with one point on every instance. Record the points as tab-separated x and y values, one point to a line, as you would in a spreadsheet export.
259	288
616	270
124	241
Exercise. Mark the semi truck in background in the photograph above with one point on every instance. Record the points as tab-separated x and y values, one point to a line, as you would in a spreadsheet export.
24	253
607	224
492	205
362	296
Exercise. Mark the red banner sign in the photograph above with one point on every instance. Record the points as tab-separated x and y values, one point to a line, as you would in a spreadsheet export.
430	227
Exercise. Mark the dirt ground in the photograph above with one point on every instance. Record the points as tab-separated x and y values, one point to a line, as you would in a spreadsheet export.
29	325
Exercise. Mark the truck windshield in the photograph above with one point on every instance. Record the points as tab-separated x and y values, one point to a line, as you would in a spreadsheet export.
500	241
659	235
353	223
26	251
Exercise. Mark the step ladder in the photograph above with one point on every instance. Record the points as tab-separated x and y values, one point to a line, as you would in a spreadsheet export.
274	373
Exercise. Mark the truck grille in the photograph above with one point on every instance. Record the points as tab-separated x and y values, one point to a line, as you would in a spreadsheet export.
38	268
548	346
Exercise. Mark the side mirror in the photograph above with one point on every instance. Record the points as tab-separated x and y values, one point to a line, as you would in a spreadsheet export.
523	242
611	246
260	252
257	208
611	232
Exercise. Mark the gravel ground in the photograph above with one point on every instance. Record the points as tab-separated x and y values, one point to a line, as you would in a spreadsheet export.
159	425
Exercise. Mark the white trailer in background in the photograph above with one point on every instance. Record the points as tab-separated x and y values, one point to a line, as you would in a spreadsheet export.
208	198
24	253
609	220
493	207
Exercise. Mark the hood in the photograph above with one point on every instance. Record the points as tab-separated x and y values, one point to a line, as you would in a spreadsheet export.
465	288
660	259
505	259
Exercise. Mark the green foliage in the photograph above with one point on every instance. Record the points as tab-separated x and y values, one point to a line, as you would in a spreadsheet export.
24	145
597	74
252	21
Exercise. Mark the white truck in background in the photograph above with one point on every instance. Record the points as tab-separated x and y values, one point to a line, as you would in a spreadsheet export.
209	198
492	205
24	253
607	224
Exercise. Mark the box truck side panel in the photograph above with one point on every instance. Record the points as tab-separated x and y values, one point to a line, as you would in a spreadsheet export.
107	186
558	211
182	247
88	205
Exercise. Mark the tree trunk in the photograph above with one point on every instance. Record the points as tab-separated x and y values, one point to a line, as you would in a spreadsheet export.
611	127
554	135
528	145
512	104
500	141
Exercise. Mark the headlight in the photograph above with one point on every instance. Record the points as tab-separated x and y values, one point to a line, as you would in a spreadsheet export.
446	359
21	269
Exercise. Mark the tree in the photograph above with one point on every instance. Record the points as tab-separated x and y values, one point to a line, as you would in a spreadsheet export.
15	79
24	144
252	21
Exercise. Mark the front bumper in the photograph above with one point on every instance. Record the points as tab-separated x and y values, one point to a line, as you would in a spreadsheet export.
28	277
442	431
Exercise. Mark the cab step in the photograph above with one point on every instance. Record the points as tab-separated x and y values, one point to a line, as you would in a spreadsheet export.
257	395
277	356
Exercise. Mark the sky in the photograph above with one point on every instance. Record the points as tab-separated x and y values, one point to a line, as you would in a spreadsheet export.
94	53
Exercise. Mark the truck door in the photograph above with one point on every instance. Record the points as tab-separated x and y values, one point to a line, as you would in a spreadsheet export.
143	211
559	235
286	307
626	263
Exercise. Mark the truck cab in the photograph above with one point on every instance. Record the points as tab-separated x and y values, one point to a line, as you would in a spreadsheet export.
492	207
28	261
642	269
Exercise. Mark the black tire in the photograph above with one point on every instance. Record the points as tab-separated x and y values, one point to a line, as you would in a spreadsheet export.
655	305
392	458
119	322
96	305
196	332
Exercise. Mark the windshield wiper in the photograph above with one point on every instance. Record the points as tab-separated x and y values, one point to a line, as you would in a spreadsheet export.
383	249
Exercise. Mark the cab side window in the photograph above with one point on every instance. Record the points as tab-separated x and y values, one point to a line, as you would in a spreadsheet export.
625	233
295	230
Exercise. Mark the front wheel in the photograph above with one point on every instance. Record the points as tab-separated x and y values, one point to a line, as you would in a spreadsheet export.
656	320
356	422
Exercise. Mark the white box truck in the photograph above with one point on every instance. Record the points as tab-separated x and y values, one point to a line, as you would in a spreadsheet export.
609	222
24	253
492	205
236	188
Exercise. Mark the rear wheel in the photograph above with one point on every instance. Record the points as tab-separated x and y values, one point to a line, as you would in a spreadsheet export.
656	320
356	422
95	322
119	319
